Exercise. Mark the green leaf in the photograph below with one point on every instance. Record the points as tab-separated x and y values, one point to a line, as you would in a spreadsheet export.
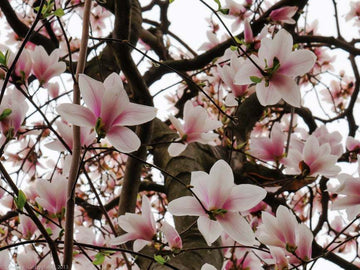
5	113
238	40
99	259
160	259
224	11
2	59
170	1
233	48
59	12
49	231
20	200
255	79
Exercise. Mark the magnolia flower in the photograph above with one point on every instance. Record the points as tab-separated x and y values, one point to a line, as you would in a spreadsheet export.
12	112
314	159
196	127
46	66
220	201
284	14
87	137
172	236
269	149
227	74
352	144
52	195
108	111
333	139
27	227
279	65
140	228
349	195
285	232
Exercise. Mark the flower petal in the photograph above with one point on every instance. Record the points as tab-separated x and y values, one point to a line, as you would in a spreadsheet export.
237	228
123	139
287	88
92	92
176	149
244	197
297	63
77	115
185	206
210	229
135	114
267	95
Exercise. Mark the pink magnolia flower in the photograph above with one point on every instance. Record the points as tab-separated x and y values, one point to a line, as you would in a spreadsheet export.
87	137
349	195
279	65
27	227
354	12
23	65
332	138
314	159
108	111
12	112
285	232
140	228
284	14
269	149
52	195
220	203
352	144
172	236
46	66
196	127
236	11
227	74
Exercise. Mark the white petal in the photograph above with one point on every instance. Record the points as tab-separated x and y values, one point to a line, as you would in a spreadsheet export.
244	197
210	229
237	228
185	206
123	139
77	115
176	149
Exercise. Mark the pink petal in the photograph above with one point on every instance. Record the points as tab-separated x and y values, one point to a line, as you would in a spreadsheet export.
186	206
297	63
135	114
114	80
92	92
304	244
210	229
220	184
171	235
77	115
113	103
237	228
147	213
287	223
244	197
123	139
287	88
